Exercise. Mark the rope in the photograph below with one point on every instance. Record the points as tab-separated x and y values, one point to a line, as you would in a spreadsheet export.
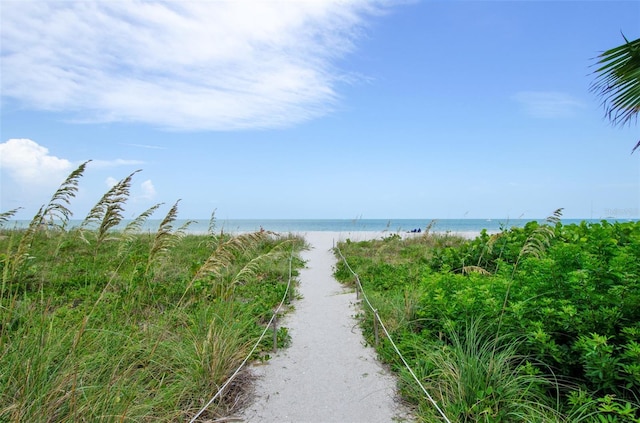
395	347
286	292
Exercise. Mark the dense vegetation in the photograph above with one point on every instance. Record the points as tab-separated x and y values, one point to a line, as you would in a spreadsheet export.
540	323
105	324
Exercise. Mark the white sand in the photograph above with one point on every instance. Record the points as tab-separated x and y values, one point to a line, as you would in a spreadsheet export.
327	374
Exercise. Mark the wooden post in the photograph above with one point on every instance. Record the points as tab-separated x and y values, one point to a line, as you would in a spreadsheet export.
375	327
357	287
275	334
291	283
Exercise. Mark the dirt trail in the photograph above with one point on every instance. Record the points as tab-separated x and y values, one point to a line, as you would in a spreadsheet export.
327	374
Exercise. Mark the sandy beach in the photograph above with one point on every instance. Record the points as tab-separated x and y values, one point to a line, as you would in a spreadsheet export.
327	374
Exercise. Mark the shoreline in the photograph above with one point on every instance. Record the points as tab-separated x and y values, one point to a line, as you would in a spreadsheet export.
461	227
357	236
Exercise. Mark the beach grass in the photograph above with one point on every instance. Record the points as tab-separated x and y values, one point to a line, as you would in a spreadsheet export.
99	324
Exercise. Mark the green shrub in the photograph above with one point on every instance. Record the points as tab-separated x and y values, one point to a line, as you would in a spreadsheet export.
569	294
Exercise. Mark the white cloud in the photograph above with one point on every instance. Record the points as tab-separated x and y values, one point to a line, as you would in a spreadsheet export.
147	146
148	190
30	164
114	163
110	182
548	104
197	65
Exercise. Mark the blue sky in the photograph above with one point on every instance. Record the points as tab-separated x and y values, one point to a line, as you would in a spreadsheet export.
317	109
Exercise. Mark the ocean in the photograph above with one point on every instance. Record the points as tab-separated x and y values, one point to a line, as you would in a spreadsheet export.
375	225
334	225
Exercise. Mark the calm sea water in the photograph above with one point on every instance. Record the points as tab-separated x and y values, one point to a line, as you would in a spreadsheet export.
336	225
351	225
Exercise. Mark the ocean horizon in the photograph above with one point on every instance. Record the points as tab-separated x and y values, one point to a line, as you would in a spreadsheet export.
202	226
369	225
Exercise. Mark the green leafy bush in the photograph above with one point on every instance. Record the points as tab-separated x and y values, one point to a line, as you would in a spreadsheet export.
569	294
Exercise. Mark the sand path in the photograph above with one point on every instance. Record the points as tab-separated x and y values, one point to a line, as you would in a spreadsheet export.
327	374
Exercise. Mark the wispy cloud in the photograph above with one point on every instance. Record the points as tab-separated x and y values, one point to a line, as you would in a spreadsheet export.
114	163
548	104
148	190
197	65
111	182
147	146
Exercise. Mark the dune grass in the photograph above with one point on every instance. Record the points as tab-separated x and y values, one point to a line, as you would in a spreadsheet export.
105	324
478	377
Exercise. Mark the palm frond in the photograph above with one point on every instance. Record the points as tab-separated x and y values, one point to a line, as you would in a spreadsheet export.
618	82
